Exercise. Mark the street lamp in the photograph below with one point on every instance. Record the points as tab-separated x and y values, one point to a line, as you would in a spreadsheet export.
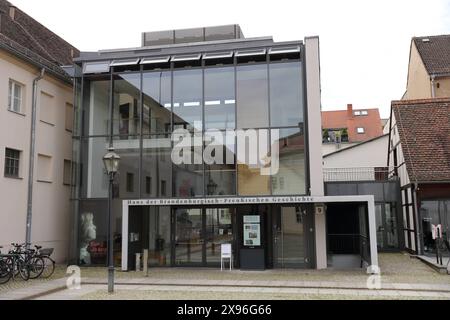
111	161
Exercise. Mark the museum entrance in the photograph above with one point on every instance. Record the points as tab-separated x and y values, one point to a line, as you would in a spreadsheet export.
262	235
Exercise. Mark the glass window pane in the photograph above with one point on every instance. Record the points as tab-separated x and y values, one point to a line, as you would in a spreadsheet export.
188	176
10	94
286	94
96	101
251	163
159	243
126	109
290	176
187	99
218	231
94	181
156	89
189	238
429	212
93	232
219	98
156	165
220	159
391	225
128	182
252	96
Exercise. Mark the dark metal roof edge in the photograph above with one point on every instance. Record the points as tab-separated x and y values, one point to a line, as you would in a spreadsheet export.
202	47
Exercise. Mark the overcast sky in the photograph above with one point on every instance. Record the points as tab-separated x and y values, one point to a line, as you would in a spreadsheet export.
364	45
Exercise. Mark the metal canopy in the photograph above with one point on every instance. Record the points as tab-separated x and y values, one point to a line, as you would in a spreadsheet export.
124	62
247	53
281	50
186	57
152	60
96	67
217	55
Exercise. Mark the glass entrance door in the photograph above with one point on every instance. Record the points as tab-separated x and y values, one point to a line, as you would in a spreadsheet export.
386	221
199	234
188	237
289	237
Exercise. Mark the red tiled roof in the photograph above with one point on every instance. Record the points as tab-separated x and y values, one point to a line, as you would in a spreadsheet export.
424	129
346	119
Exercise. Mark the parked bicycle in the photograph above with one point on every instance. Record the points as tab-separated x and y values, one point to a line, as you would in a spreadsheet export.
26	263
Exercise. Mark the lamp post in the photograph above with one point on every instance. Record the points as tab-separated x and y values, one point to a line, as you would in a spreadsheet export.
111	161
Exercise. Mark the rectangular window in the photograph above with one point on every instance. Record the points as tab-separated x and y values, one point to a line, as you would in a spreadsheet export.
357	113
364	112
290	178
163	187
130	182
252	96
44	168
67	172
360	130
187	99
15	96
148	185
12	162
47	108
219	98
286	94
69	117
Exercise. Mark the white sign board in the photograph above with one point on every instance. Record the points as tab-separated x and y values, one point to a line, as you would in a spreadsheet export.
436	231
225	250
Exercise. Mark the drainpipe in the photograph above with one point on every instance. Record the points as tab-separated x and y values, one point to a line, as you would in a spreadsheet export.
433	92
31	161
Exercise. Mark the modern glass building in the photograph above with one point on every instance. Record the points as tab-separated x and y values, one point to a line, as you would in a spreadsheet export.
213	85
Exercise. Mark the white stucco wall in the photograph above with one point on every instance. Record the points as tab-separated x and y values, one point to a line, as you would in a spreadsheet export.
312	57
371	154
51	199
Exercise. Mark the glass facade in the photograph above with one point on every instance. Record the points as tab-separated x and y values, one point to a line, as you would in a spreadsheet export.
136	112
434	212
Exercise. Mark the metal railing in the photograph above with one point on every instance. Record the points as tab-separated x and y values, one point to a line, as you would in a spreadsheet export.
359	174
344	243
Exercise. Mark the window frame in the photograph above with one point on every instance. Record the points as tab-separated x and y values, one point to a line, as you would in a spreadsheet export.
12	87
360	130
12	161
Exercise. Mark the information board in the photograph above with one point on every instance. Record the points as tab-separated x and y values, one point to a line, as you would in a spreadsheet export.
252	231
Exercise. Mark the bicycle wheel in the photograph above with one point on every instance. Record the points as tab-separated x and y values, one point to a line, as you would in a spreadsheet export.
36	267
23	269
49	267
5	272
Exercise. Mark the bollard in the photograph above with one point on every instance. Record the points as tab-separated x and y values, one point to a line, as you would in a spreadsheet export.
145	263
138	262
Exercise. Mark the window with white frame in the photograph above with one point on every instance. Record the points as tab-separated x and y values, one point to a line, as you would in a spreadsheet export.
360	130
364	113
357	113
15	96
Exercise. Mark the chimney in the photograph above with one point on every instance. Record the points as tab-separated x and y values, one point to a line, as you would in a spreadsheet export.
12	12
349	110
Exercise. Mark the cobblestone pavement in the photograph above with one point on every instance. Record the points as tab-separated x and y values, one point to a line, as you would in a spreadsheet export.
402	277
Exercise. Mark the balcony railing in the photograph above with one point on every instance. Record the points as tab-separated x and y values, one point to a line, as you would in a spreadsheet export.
359	174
